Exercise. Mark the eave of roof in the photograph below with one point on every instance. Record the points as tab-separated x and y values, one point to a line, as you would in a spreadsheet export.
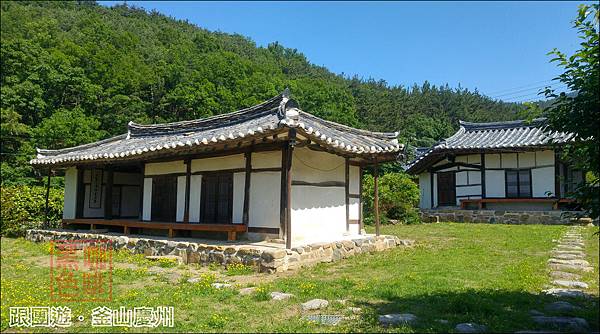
269	118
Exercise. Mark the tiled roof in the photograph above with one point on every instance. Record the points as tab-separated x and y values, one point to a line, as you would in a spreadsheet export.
263	120
495	136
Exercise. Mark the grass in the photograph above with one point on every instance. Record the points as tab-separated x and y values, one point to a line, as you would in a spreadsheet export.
488	274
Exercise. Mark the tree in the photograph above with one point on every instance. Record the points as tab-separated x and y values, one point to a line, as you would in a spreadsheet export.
579	113
67	128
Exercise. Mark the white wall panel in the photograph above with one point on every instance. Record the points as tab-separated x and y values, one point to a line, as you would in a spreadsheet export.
509	160
545	158
269	159
180	198
474	177
468	191
354	208
542	181
219	163
425	190
239	181
195	193
318	213
316	166
494	183
147	208
461	178
354	178
265	199
158	168
492	161
70	203
527	159
474	159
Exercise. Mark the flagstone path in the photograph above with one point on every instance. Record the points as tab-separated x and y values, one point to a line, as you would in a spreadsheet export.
567	264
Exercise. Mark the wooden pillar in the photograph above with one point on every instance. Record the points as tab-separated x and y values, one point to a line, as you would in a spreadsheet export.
288	214
431	188
283	192
188	177
376	197
360	200
47	209
108	214
245	215
347	186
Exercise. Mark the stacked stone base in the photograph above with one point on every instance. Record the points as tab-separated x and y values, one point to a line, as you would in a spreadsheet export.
263	258
503	217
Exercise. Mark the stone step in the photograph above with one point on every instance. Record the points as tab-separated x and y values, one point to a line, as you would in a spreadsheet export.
561	307
568	323
567	267
568	256
564	275
576	262
570	284
572	252
568	293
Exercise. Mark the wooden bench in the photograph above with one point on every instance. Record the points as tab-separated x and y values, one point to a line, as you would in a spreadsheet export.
231	229
480	202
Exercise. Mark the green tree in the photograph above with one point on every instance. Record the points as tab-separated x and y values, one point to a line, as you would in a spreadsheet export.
67	128
579	113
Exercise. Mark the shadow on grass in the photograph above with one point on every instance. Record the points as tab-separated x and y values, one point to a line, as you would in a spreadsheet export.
498	310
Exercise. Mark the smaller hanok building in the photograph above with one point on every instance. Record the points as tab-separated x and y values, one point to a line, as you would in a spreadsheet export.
498	167
268	171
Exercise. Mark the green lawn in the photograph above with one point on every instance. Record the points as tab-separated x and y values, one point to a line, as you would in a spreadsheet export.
488	274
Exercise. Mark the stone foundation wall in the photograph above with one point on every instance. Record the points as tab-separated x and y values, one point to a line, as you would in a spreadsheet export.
503	217
265	259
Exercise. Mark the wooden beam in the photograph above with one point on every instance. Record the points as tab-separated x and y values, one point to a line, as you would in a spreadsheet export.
188	177
108	214
159	225
246	214
47	209
347	196
288	215
376	198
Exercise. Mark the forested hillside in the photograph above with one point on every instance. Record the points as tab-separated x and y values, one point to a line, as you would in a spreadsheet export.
75	72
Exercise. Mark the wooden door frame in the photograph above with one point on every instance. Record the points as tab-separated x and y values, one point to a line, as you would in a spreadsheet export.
453	173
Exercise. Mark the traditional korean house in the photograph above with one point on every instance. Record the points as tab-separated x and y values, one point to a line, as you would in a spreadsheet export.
268	171
507	166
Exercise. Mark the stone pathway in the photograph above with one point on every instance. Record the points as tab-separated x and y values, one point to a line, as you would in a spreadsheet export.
567	264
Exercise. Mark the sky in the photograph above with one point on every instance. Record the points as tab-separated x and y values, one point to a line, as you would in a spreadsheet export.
498	48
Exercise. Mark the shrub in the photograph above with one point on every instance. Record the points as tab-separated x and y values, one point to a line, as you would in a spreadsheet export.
23	207
398	198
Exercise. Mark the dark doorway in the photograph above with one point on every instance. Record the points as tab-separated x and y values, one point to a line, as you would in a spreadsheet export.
216	203
164	198
446	186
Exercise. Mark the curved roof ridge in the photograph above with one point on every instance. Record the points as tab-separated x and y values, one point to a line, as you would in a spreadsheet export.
273	104
472	126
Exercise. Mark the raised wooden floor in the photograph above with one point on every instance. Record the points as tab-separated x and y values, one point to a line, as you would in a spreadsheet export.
231	229
480	202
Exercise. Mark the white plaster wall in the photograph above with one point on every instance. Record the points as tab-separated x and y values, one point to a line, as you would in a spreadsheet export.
130	201
195	193
147	201
93	212
239	182
474	159
179	213
265	193
527	159
545	158
318	213
492	161
435	192
219	163
461	178
467	191
70	204
494	183
509	160
354	208
542	182
354	178
474	177
269	159
158	168
425	190
316	166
